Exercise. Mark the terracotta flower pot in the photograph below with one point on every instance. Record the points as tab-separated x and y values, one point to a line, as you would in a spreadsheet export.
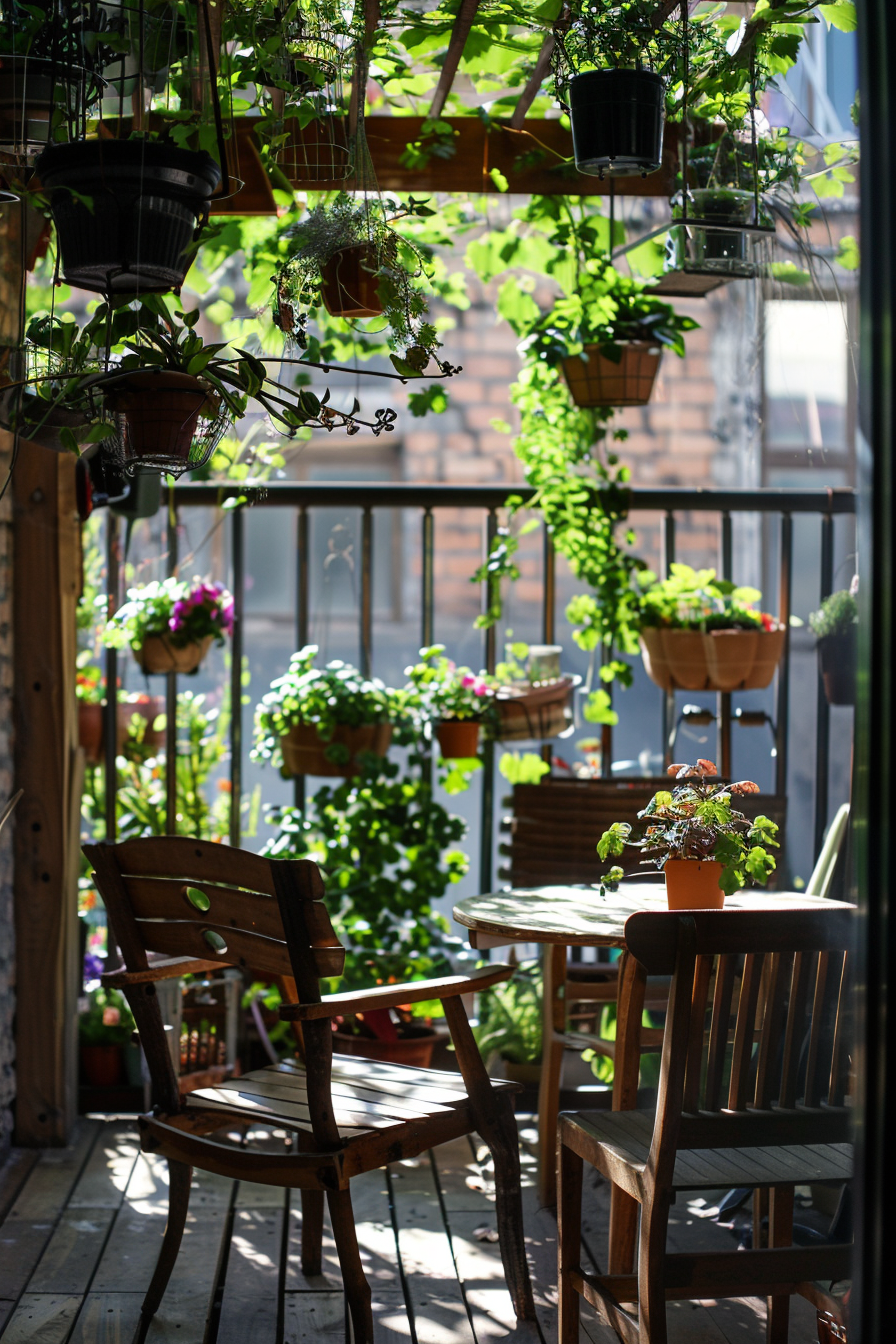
675	659
415	1050
350	281
102	1065
304	750
596	380
837	656
158	654
160	412
693	884
90	731
722	660
458	738
534	713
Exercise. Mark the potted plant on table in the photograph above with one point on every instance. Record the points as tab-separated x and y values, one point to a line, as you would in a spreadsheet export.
706	849
703	633
170	625
835	626
457	700
323	721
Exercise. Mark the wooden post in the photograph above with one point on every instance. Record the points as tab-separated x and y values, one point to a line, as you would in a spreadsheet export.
46	583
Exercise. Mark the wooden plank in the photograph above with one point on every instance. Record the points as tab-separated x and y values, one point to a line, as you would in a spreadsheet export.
105	1177
249	1304
42	1318
13	1175
312	1316
437	1301
71	1256
46	578
109	1318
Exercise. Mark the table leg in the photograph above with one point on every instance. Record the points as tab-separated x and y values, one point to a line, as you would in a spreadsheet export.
553	1027
629	1011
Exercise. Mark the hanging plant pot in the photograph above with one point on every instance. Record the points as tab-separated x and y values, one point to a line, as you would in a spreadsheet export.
317	152
304	750
594	379
350	282
696	249
837	658
158	654
458	738
723	660
147	201
413	1049
32	91
167	421
617	119
693	884
534	713
674	659
90	731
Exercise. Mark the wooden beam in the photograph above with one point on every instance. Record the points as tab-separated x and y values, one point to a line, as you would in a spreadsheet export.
46	577
534	83
463	22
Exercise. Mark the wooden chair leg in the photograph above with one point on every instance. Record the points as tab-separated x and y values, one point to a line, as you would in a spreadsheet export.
357	1289
179	1178
569	1241
553	1026
312	1232
780	1233
651	1270
502	1137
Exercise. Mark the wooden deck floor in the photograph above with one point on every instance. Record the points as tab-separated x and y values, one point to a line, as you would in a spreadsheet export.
81	1227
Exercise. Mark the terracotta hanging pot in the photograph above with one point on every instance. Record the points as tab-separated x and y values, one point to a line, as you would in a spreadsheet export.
305	751
596	380
90	731
414	1050
674	659
722	660
837	657
534	713
693	884
350	282
160	412
458	738
158	654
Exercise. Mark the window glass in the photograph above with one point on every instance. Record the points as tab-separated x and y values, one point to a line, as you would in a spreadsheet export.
805	376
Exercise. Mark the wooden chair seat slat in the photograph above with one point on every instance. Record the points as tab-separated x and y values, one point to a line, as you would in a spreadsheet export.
166	898
267	1087
241	948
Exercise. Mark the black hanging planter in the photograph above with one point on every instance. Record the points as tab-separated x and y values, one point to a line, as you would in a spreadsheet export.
837	658
33	91
617	121
148	200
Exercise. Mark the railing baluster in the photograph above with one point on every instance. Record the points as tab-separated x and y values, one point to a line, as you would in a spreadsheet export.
823	709
171	691
724	699
238	548
548	609
487	812
366	608
668	696
110	716
303	615
783	709
427	580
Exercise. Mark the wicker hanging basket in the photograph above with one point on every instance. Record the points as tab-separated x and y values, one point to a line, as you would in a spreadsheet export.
534	713
158	654
596	380
722	660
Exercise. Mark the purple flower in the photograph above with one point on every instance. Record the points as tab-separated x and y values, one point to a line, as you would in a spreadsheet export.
175	623
93	966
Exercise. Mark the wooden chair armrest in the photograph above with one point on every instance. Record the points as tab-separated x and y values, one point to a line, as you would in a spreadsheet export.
393	996
165	968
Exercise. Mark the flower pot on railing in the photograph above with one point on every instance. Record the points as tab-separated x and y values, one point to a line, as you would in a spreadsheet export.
305	751
158	654
617	119
837	658
721	660
350	282
596	379
694	247
529	713
413	1049
693	884
146	200
458	738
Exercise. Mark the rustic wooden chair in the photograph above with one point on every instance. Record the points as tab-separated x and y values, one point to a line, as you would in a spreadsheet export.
715	1125
202	905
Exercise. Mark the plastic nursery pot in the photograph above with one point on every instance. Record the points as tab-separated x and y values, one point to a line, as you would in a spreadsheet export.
693	884
102	1065
305	751
159	411
617	119
596	380
458	738
158	654
350	281
714	251
146	201
837	656
534	713
414	1049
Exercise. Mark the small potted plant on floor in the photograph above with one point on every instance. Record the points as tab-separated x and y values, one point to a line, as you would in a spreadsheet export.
703	633
457	700
391	1034
706	849
510	1024
835	626
104	1031
609	337
323	720
170	625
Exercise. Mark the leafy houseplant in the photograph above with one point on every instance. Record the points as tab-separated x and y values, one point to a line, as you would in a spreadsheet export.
457	700
136	715
324	721
170	624
510	1023
835	626
699	632
705	847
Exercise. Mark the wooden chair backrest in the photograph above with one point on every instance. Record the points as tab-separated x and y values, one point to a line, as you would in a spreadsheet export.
755	1047
210	903
554	826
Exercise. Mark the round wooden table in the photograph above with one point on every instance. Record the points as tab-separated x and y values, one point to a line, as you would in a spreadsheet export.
580	916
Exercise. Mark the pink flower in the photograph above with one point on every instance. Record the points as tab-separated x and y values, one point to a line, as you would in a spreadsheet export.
468	681
480	688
